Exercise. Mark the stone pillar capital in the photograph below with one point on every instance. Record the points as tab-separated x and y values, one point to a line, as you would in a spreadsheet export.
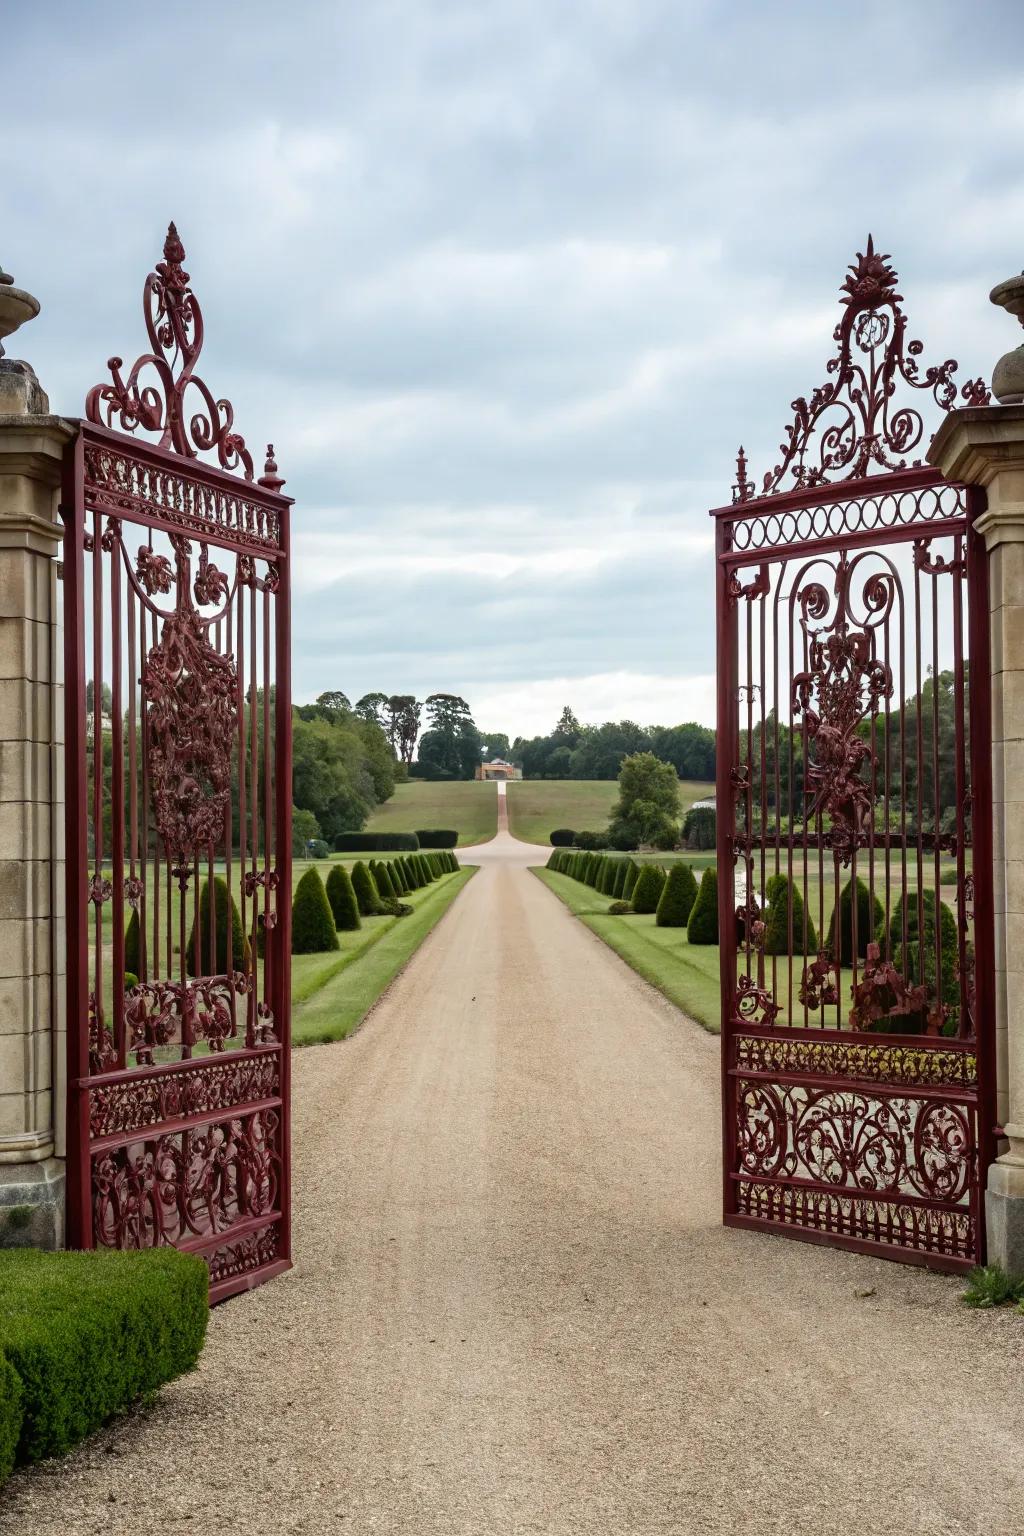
984	445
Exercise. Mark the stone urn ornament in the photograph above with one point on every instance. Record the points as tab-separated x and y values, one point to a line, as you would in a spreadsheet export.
16	306
1008	378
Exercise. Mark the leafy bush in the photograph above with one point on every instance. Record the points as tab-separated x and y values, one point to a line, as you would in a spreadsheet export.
313	930
376	842
619	908
629	883
870	918
562	837
88	1333
344	906
395	908
438	838
677	897
216	964
702	927
591	842
647	810
648	888
780	893
700	827
316	848
365	887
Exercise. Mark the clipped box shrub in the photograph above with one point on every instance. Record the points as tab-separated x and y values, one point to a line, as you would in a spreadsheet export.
607	881
702	927
438	837
86	1334
398	879
780	892
11	1417
365	887
313	930
562	837
376	842
619	908
677	897
591	842
916	962
342	897
621	870
382	880
629	883
870	918
648	888
215	963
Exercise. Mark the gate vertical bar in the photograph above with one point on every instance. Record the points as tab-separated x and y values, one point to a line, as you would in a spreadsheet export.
725	756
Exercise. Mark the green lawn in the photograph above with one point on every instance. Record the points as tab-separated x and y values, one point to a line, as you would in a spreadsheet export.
537	806
469	808
687	976
331	1001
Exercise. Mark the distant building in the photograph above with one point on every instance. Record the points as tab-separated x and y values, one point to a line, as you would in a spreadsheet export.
497	768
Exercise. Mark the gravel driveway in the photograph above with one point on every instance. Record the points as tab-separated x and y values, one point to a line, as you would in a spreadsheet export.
514	1309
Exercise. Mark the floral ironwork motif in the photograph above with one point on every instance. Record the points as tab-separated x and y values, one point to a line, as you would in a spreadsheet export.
102	1051
852	424
154	571
907	1066
174	322
819	984
158	1012
883	993
192	710
227	1082
754	1005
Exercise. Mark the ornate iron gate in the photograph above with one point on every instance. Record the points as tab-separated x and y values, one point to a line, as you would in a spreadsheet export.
854	826
178	741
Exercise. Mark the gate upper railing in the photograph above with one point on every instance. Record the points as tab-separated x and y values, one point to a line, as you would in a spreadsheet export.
176	582
853	812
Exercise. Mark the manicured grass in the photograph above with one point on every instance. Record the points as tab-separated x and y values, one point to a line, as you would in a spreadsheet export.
687	976
339	999
469	808
537	806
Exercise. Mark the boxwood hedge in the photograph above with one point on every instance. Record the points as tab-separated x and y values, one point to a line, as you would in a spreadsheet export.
438	837
376	842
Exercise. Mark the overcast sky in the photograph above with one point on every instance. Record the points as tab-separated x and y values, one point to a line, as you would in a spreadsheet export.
507	282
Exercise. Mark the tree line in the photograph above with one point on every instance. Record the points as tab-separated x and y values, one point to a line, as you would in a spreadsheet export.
575	751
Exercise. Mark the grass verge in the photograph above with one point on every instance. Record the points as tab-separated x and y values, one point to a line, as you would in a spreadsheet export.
339	1002
687	976
537	806
468	807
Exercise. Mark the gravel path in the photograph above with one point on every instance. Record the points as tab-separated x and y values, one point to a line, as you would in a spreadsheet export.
514	1308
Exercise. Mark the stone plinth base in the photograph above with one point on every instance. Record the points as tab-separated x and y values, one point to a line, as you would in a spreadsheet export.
32	1204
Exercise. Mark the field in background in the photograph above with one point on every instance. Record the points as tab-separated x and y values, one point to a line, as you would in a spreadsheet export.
469	808
537	806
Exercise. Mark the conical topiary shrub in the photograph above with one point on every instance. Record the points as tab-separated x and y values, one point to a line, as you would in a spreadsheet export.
629	881
215	964
702	927
366	890
648	888
870	918
381	872
409	874
916	961
344	906
621	866
313	931
607	877
779	892
677	897
398	877
133	945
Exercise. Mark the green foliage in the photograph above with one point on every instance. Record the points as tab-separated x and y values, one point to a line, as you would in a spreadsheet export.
437	837
132	946
916	962
699	827
562	837
619	908
381	873
313	930
629	882
89	1333
398	879
607	880
621	869
342	767
216	964
365	887
677	897
344	906
591	841
648	888
305	829
869	920
780	892
11	1417
990	1286
376	842
452	747
702	927
647	810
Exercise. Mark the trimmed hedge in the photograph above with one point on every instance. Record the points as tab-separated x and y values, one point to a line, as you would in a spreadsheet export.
677	897
398	879
86	1334
438	837
702	927
870	918
11	1417
648	888
376	842
629	883
562	837
382	880
365	887
342	897
621	870
217	963
591	842
779	892
313	930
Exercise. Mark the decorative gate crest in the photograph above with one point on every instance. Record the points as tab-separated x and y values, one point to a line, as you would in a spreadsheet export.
857	1062
178	730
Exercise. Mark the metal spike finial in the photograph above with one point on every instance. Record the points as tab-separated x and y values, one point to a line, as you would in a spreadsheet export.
744	488
270	479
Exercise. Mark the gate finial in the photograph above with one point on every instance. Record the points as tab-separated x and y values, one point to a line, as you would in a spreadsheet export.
270	479
1008	376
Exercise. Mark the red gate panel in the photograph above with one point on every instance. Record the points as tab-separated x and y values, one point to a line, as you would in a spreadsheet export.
854	817
178	741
